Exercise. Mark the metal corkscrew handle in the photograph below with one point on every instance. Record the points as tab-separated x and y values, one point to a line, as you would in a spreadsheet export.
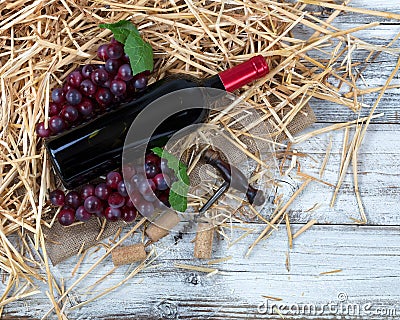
228	172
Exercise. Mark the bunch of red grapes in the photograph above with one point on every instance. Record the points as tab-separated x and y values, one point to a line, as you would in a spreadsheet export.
89	91
92	90
148	188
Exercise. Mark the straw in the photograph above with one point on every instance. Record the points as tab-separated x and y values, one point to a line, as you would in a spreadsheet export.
43	41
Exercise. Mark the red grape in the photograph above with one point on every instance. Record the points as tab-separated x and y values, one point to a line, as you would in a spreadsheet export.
58	95
66	216
125	58
69	113
112	214
102	201
102	52
114	78
87	191
162	181
118	87
164	198
73	199
75	78
73	96
41	131
57	197
54	109
112	179
140	81
93	204
66	88
128	214
102	191
125	72
103	96
128	202
99	76
152	158
112	65
87	70
115	50
151	169
106	84
88	88
85	108
56	124
115	200
122	189
81	214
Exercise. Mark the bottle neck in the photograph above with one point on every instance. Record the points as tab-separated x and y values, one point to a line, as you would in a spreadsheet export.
214	82
240	75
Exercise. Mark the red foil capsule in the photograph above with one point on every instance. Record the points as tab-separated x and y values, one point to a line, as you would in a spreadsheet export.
244	73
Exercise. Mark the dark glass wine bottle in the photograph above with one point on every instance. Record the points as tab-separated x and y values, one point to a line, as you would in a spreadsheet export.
95	148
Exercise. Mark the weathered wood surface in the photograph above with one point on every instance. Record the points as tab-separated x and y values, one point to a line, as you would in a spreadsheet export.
379	177
375	74
369	256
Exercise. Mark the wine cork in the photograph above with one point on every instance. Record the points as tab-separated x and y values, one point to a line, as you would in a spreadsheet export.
128	254
162	225
204	241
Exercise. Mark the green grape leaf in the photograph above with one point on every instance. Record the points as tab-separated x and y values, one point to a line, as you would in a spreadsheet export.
121	29
178	195
179	189
140	52
173	162
183	173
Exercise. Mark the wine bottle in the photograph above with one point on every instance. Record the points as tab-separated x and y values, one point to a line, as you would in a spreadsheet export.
94	148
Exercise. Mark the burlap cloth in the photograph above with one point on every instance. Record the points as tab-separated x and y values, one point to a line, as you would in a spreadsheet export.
64	242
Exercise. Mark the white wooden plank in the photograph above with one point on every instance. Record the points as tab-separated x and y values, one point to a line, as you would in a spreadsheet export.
346	17
328	112
378	171
374	75
379	35
368	256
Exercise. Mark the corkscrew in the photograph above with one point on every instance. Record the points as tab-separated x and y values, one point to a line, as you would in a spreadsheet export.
232	177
